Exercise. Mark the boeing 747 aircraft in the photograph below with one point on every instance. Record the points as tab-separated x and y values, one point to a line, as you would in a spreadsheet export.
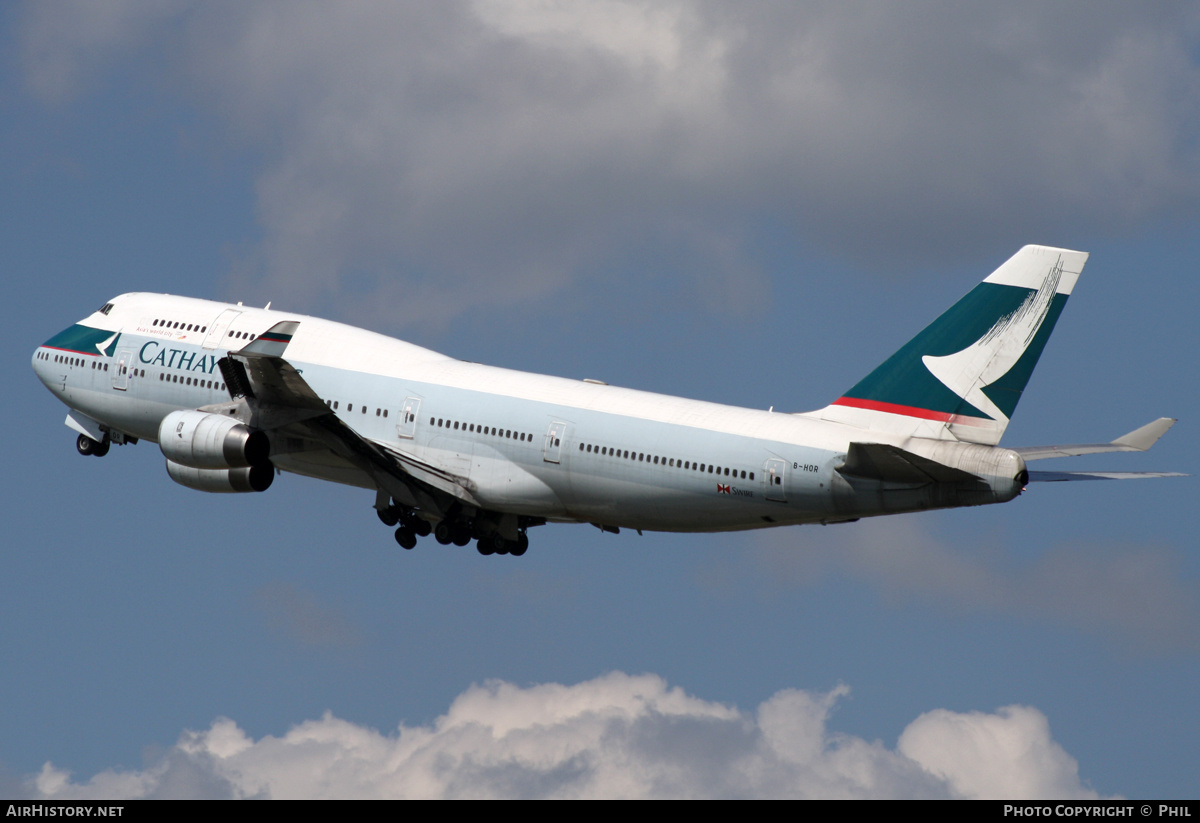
233	395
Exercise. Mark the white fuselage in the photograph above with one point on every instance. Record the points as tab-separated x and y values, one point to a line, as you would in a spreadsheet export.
519	443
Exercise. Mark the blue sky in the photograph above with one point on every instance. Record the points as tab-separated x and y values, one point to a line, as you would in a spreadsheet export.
751	204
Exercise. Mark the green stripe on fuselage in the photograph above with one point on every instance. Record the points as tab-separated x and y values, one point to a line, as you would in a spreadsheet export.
82	339
904	380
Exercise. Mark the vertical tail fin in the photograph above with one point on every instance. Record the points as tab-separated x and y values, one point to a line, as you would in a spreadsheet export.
961	378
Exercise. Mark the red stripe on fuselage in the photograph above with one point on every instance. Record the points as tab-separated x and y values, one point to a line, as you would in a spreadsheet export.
910	411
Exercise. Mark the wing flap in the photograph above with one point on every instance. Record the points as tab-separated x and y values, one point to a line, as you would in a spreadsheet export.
398	478
428	473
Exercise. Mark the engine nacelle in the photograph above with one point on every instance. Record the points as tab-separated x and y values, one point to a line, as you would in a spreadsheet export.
256	478
211	441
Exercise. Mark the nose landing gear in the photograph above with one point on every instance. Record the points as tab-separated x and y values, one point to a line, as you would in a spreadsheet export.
88	447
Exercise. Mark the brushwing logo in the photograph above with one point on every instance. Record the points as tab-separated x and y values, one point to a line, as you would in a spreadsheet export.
103	347
968	372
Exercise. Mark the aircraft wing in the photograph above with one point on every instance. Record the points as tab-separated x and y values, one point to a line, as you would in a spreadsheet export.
282	401
1138	440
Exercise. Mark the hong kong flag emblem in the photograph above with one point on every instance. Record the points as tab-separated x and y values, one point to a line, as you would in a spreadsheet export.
723	489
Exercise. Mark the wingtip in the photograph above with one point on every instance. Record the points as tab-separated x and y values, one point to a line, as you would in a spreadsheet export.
1143	438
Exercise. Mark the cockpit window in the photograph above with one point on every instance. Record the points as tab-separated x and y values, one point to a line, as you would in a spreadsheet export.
106	308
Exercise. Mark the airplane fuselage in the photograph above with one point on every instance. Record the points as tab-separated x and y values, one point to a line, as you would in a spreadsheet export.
513	443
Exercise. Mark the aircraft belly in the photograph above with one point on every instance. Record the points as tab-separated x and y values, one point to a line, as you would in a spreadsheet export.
612	501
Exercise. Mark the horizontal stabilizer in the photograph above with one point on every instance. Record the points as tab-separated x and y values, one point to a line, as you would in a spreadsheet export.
1056	477
1138	440
879	461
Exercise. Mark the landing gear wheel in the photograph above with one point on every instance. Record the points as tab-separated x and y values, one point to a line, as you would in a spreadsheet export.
91	448
520	547
494	544
389	516
405	537
443	534
421	527
460	536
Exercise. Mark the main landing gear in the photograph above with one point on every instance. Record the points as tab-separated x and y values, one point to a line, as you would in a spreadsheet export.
495	544
456	531
410	529
91	448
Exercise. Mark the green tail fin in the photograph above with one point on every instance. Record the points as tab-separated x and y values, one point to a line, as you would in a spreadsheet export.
961	378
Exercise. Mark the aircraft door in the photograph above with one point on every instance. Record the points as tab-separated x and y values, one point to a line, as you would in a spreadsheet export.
776	477
120	375
216	332
407	427
552	450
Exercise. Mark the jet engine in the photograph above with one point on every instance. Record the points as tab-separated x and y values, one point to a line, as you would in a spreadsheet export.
256	478
203	440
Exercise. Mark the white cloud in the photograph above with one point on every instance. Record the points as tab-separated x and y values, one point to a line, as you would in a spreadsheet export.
615	736
1006	754
439	159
